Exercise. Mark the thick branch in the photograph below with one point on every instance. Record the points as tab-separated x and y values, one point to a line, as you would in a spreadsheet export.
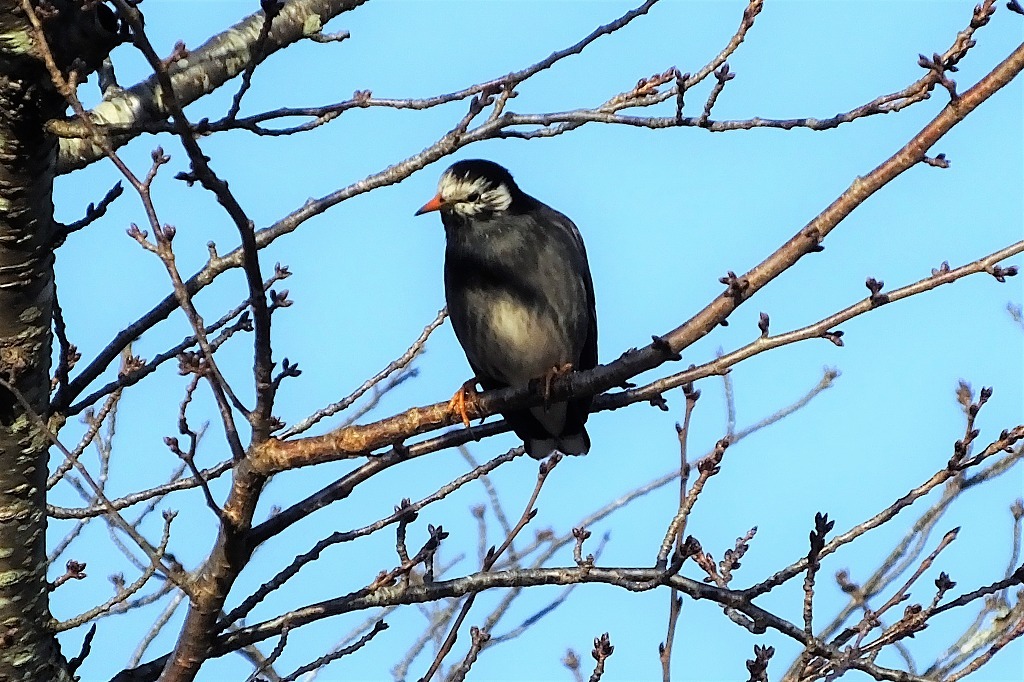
205	69
356	440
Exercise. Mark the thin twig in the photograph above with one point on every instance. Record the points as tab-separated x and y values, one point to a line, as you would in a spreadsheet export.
398	363
546	467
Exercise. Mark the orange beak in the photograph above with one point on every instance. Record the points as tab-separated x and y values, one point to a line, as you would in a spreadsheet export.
434	204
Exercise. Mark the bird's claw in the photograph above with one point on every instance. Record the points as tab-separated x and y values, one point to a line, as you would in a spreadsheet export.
549	378
465	401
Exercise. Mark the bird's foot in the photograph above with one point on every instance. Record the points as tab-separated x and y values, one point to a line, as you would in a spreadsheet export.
549	378
464	401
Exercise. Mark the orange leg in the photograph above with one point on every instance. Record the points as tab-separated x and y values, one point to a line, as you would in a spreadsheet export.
549	378
464	401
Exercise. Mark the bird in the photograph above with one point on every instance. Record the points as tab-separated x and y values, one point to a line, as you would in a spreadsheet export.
520	298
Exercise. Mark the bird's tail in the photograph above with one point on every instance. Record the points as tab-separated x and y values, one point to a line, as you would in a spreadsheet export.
568	444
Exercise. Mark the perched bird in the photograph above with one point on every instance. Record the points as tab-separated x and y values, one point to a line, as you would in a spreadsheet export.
520	299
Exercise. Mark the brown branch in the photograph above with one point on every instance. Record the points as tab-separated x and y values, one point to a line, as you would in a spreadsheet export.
645	578
95	423
62	399
902	594
822	526
155	629
912	545
75	663
722	76
478	639
401	512
174	571
571	661
502	608
264	671
553	544
398	363
120	503
205	365
189	456
492	556
1015	578
260	416
550	125
493	499
820	329
706	468
914	619
93	212
343	487
719	366
276	455
675	601
208	67
626	578
1006	440
69	355
758	666
271	9
443	147
603	650
123	595
1011	634
378	627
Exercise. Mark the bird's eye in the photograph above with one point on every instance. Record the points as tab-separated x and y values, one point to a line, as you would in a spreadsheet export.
473	197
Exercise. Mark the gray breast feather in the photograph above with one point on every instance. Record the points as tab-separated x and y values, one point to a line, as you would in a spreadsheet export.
516	342
519	295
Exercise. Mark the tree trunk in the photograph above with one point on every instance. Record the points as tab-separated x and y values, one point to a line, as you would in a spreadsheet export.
29	649
28	99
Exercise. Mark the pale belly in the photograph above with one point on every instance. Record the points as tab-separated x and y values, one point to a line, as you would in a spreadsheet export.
518	343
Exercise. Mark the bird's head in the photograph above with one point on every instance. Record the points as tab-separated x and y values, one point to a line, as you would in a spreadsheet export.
473	187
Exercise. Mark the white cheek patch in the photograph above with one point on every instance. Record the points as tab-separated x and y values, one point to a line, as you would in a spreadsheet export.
452	188
457	191
498	199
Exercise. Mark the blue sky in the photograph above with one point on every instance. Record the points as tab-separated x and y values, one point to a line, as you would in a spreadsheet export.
664	215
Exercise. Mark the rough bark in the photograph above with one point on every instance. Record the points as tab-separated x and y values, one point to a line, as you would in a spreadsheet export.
28	99
203	70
